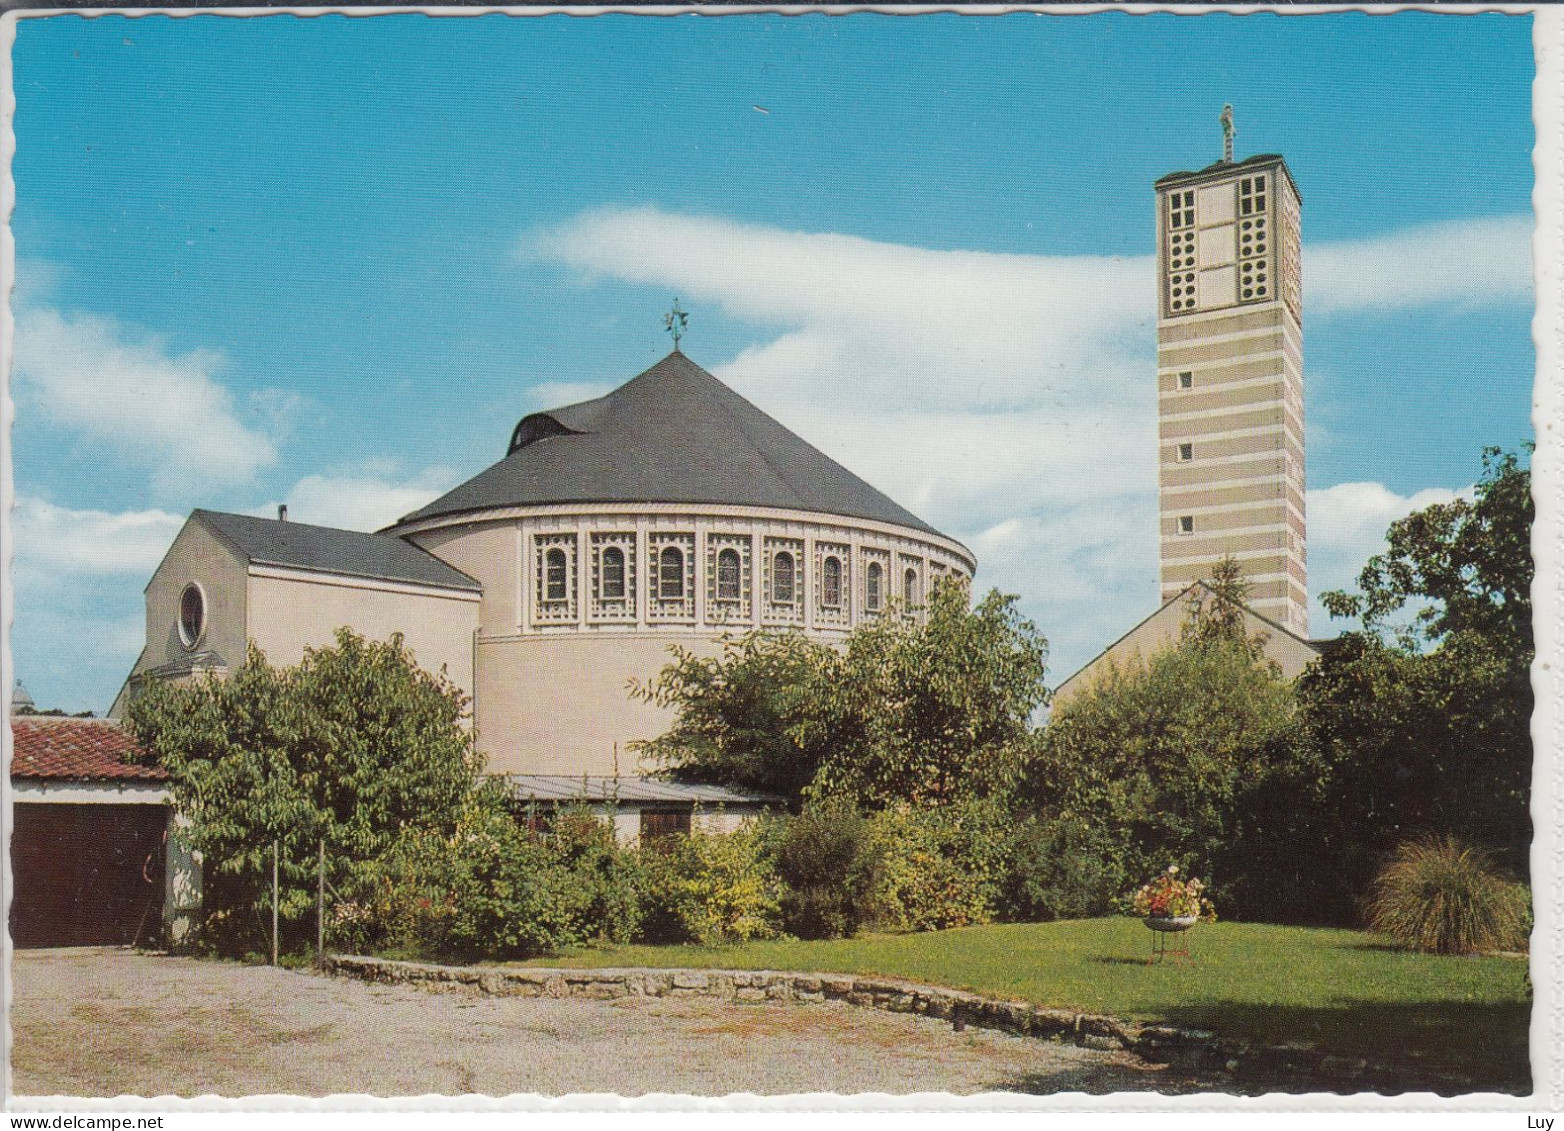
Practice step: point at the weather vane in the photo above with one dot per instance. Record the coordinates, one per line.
(1228, 131)
(675, 322)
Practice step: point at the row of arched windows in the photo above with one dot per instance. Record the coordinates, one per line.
(669, 578)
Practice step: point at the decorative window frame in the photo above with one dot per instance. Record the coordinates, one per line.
(839, 614)
(1256, 282)
(658, 607)
(920, 584)
(545, 611)
(784, 612)
(882, 558)
(613, 609)
(1179, 268)
(190, 641)
(726, 610)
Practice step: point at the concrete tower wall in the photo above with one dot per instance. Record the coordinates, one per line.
(1230, 383)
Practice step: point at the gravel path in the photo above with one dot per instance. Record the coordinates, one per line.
(106, 1022)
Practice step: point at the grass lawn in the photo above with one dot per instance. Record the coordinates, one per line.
(1344, 991)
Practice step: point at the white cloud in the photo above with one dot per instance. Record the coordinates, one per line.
(125, 389)
(1347, 525)
(55, 541)
(1007, 399)
(364, 499)
(1462, 262)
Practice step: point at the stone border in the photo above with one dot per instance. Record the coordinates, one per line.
(1299, 1064)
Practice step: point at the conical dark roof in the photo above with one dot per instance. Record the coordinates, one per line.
(675, 434)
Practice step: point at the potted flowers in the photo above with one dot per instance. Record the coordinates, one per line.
(1168, 903)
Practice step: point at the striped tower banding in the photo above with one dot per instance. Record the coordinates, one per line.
(1230, 382)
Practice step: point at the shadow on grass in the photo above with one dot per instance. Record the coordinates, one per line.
(1484, 1045)
(1450, 1048)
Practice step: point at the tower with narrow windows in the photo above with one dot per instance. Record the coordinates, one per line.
(1230, 380)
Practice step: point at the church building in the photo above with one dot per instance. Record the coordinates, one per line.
(669, 512)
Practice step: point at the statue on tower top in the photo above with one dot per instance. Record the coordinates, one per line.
(1228, 131)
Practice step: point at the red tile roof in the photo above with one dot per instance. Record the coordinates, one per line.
(75, 750)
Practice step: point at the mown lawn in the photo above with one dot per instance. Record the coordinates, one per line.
(1344, 991)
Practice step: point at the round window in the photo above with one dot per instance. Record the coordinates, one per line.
(192, 615)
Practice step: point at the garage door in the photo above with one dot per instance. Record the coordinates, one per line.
(86, 875)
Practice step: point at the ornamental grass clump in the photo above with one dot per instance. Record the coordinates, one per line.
(1168, 897)
(1441, 896)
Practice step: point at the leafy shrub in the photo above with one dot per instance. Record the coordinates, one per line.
(490, 889)
(938, 867)
(1444, 897)
(1060, 868)
(824, 857)
(607, 879)
(711, 888)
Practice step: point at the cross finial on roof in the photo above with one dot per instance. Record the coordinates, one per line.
(675, 322)
(1228, 132)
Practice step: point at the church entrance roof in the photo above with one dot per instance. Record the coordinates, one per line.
(673, 434)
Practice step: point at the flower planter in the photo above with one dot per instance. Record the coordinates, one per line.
(1165, 923)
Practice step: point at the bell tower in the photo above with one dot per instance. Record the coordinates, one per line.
(1230, 379)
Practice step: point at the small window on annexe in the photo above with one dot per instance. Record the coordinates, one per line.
(556, 573)
(1186, 380)
(671, 579)
(1186, 524)
(728, 576)
(659, 823)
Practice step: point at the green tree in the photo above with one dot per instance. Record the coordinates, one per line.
(1177, 758)
(935, 710)
(743, 716)
(1424, 715)
(918, 710)
(353, 745)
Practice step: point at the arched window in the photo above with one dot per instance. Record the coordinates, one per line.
(782, 579)
(728, 576)
(671, 574)
(875, 585)
(831, 583)
(556, 575)
(613, 573)
(909, 587)
(192, 615)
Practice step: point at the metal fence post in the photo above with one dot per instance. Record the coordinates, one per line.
(320, 908)
(276, 848)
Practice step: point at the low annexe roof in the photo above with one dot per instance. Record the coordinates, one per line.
(325, 549)
(49, 748)
(636, 790)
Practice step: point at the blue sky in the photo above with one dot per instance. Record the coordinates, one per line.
(331, 261)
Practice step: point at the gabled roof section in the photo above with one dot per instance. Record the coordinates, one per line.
(1274, 627)
(673, 434)
(325, 549)
(47, 748)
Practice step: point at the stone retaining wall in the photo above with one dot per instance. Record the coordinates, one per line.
(1291, 1066)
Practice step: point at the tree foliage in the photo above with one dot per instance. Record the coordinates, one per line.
(1169, 759)
(1465, 566)
(918, 710)
(1426, 724)
(353, 745)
